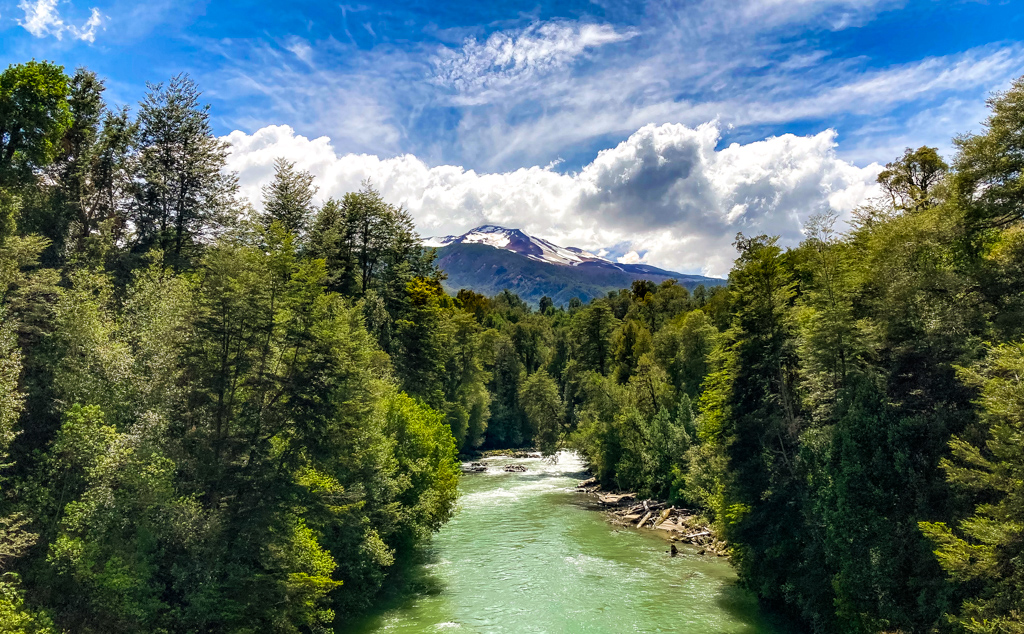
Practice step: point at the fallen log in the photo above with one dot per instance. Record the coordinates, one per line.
(664, 516)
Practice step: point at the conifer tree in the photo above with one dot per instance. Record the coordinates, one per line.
(288, 199)
(186, 197)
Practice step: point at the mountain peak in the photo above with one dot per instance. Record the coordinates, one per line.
(517, 241)
(492, 229)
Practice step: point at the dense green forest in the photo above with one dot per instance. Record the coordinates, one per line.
(215, 418)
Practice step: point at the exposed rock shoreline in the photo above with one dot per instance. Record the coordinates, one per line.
(678, 525)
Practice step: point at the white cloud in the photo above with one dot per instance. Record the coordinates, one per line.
(835, 14)
(43, 19)
(632, 258)
(510, 56)
(665, 191)
(87, 32)
(300, 49)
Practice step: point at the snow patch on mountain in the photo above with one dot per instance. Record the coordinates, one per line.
(515, 240)
(439, 241)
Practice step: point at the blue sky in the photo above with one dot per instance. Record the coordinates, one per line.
(497, 112)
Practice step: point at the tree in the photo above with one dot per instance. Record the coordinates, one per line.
(910, 181)
(507, 427)
(546, 304)
(631, 341)
(186, 197)
(762, 422)
(466, 401)
(592, 329)
(989, 178)
(473, 303)
(366, 239)
(830, 344)
(288, 199)
(543, 408)
(34, 115)
(985, 551)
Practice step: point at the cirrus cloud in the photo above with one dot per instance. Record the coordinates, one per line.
(510, 56)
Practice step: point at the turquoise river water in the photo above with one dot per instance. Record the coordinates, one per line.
(526, 554)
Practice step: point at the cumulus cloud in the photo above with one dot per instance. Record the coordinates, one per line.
(42, 19)
(510, 56)
(631, 258)
(665, 192)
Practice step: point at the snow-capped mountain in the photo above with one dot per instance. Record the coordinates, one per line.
(490, 258)
(516, 241)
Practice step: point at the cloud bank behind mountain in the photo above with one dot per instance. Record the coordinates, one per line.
(666, 196)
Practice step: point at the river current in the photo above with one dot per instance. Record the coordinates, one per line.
(526, 554)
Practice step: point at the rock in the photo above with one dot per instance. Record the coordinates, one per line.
(616, 499)
(515, 468)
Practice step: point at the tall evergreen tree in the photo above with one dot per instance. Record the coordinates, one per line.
(186, 197)
(288, 199)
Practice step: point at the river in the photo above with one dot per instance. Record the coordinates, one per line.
(526, 554)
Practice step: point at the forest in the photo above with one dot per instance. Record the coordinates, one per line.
(223, 415)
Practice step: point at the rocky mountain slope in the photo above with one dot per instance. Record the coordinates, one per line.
(490, 258)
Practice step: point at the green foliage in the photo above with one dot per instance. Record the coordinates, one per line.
(15, 616)
(543, 408)
(911, 180)
(288, 199)
(989, 179)
(368, 244)
(34, 114)
(10, 396)
(986, 550)
(185, 194)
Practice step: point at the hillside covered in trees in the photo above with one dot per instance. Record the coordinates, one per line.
(217, 419)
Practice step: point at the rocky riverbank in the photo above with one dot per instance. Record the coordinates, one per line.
(481, 467)
(510, 453)
(678, 525)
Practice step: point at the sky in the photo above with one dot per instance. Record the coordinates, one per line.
(650, 131)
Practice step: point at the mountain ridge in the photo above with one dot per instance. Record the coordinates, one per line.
(490, 258)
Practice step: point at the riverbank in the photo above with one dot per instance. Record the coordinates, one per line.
(500, 453)
(677, 525)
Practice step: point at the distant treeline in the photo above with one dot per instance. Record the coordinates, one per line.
(214, 419)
